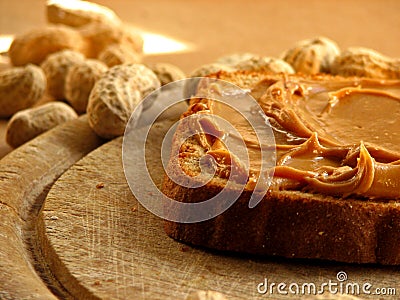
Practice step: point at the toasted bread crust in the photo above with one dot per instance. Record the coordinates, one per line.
(291, 224)
(295, 225)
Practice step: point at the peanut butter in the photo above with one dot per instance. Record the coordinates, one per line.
(337, 137)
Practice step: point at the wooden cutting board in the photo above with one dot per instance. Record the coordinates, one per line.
(26, 174)
(93, 240)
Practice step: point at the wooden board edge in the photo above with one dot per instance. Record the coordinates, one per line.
(25, 177)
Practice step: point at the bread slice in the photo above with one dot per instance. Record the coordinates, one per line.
(291, 222)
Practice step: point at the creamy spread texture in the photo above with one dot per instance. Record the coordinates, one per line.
(338, 136)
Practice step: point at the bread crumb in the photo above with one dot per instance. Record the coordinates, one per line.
(133, 208)
(97, 282)
(185, 249)
(100, 185)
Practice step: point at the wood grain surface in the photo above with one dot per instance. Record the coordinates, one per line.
(102, 244)
(25, 177)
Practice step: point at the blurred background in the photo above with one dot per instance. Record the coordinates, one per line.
(191, 33)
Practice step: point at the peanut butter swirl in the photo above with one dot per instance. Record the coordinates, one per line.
(333, 136)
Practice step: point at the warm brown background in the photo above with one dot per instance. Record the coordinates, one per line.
(215, 28)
